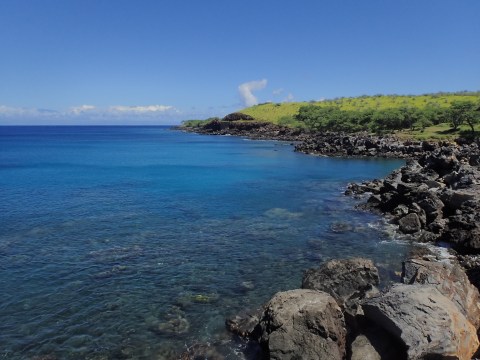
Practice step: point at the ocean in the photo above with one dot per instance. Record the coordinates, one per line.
(135, 242)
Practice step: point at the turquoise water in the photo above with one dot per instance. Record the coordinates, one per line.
(133, 242)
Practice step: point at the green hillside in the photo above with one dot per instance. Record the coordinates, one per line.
(273, 112)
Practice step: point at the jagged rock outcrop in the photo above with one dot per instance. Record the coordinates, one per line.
(245, 325)
(434, 198)
(425, 321)
(450, 279)
(435, 313)
(253, 129)
(303, 324)
(347, 280)
(362, 145)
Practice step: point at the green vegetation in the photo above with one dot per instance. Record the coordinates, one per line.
(441, 131)
(197, 123)
(379, 114)
(439, 116)
(272, 112)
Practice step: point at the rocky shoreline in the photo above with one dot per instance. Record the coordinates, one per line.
(325, 144)
(435, 198)
(434, 312)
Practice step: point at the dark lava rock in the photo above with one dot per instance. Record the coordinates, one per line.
(245, 325)
(441, 191)
(347, 280)
(410, 224)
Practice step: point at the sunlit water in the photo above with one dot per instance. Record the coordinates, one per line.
(132, 242)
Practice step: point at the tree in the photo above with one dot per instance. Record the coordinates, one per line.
(461, 112)
(388, 120)
(472, 117)
(315, 117)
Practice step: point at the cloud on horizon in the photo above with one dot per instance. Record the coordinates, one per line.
(10, 111)
(86, 114)
(246, 91)
(149, 109)
(82, 109)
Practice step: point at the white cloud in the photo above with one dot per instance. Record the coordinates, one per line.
(10, 115)
(90, 114)
(22, 111)
(148, 109)
(82, 109)
(246, 91)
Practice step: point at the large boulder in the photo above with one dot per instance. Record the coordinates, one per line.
(432, 206)
(303, 324)
(410, 223)
(450, 279)
(454, 199)
(425, 321)
(347, 280)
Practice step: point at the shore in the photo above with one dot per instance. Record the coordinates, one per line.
(433, 199)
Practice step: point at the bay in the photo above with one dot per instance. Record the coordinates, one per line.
(134, 242)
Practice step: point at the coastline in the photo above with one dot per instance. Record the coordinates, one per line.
(435, 168)
(434, 199)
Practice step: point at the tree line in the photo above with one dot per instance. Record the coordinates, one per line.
(332, 118)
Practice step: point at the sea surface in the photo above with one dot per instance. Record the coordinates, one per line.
(135, 242)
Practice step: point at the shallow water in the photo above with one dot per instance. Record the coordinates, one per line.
(131, 242)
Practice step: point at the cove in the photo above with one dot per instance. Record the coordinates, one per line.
(130, 242)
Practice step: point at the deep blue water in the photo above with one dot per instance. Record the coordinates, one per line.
(130, 242)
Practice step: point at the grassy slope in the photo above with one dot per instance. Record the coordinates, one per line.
(437, 132)
(274, 111)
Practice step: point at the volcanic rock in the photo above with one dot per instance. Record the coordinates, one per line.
(303, 324)
(425, 321)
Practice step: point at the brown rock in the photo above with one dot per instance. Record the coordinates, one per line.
(303, 324)
(425, 321)
(450, 279)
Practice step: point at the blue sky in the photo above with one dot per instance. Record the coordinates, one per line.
(163, 61)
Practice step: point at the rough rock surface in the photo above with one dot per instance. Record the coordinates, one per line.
(364, 145)
(427, 322)
(245, 325)
(434, 198)
(303, 324)
(374, 343)
(410, 223)
(362, 349)
(347, 280)
(471, 263)
(450, 279)
(252, 129)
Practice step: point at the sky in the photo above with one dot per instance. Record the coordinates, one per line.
(81, 62)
